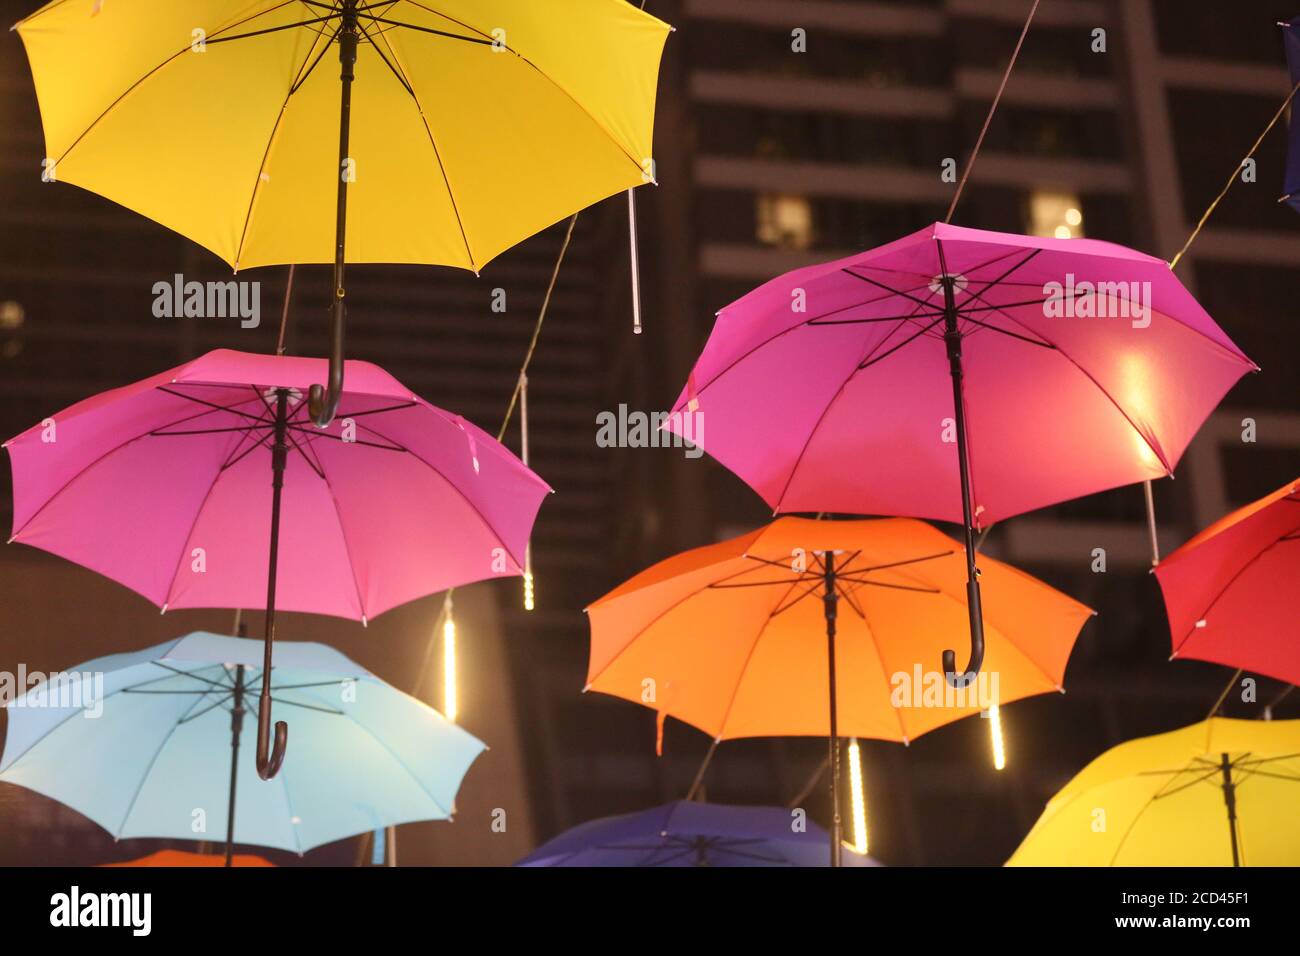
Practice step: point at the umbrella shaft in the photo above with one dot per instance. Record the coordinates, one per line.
(1230, 800)
(952, 338)
(830, 602)
(236, 728)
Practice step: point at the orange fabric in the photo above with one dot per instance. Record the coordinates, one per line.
(746, 662)
(184, 858)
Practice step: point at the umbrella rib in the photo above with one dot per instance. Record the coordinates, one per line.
(744, 669)
(198, 513)
(153, 72)
(437, 154)
(600, 126)
(816, 425)
(91, 464)
(299, 79)
(420, 458)
(347, 549)
(80, 710)
(1224, 590)
(144, 777)
(215, 704)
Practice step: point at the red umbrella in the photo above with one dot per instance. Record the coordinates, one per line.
(1231, 590)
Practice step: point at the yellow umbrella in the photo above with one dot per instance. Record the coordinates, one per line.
(1219, 793)
(463, 126)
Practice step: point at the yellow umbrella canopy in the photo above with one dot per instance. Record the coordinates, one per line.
(474, 123)
(1219, 793)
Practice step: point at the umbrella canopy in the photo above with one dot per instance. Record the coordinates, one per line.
(156, 761)
(1291, 188)
(692, 834)
(1230, 591)
(1219, 793)
(180, 858)
(473, 123)
(1085, 366)
(762, 671)
(165, 486)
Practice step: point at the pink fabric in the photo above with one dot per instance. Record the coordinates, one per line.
(382, 528)
(1231, 590)
(1097, 403)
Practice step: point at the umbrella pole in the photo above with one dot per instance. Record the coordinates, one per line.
(829, 601)
(1230, 799)
(269, 759)
(236, 728)
(952, 338)
(323, 404)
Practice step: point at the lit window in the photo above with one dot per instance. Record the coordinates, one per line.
(1055, 214)
(784, 221)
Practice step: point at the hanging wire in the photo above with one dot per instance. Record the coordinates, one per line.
(529, 603)
(537, 329)
(284, 314)
(1173, 263)
(992, 109)
(1218, 704)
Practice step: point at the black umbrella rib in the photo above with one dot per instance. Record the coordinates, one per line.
(232, 409)
(811, 589)
(430, 30)
(206, 710)
(898, 564)
(306, 430)
(258, 33)
(379, 411)
(392, 69)
(890, 289)
(759, 584)
(907, 341)
(1014, 335)
(297, 84)
(896, 587)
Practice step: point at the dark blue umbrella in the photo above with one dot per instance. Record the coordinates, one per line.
(1291, 189)
(693, 834)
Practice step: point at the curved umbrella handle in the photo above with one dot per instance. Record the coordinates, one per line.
(322, 405)
(964, 678)
(268, 764)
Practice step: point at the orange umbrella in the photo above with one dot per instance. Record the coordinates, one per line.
(185, 858)
(740, 638)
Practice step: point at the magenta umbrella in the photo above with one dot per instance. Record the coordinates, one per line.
(173, 486)
(959, 375)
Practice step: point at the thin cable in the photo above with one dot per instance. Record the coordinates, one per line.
(1173, 263)
(537, 329)
(284, 314)
(992, 109)
(1224, 696)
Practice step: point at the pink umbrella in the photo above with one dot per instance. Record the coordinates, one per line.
(960, 375)
(174, 485)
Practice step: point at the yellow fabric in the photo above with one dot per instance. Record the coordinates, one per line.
(1159, 801)
(493, 146)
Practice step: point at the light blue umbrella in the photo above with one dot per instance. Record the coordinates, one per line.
(163, 756)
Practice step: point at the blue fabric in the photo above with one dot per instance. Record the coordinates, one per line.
(693, 834)
(1291, 188)
(361, 754)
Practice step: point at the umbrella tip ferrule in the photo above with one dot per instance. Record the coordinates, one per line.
(364, 621)
(586, 688)
(162, 610)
